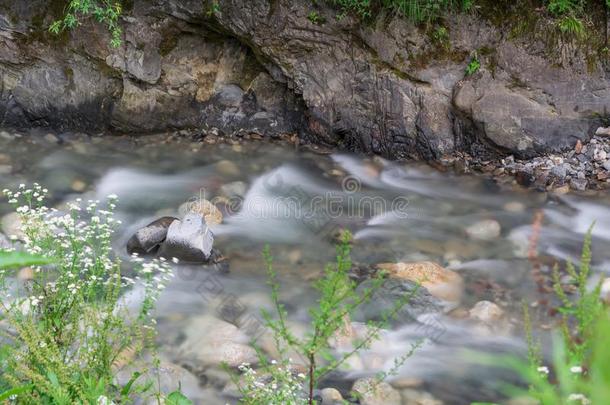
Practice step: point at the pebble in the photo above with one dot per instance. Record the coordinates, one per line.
(487, 229)
(486, 312)
(514, 206)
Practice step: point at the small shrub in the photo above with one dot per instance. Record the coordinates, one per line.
(68, 331)
(581, 357)
(473, 66)
(337, 302)
(106, 12)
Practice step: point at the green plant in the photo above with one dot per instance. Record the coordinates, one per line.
(440, 37)
(329, 319)
(581, 357)
(572, 26)
(106, 12)
(414, 10)
(474, 65)
(315, 17)
(67, 333)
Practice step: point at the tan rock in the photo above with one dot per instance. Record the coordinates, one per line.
(486, 312)
(442, 283)
(331, 396)
(210, 213)
(373, 392)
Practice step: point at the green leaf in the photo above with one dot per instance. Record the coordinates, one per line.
(127, 388)
(12, 260)
(178, 398)
(15, 391)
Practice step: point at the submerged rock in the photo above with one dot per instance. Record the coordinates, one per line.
(484, 230)
(211, 341)
(440, 282)
(415, 397)
(383, 301)
(189, 240)
(148, 239)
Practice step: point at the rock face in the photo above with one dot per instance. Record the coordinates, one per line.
(261, 66)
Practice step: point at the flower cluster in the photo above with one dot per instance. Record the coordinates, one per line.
(278, 384)
(72, 317)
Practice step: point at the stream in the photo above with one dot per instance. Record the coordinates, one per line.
(297, 201)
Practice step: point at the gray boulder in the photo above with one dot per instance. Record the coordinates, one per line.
(189, 240)
(148, 239)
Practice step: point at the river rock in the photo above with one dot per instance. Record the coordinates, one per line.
(211, 341)
(415, 397)
(372, 392)
(486, 312)
(211, 214)
(603, 131)
(393, 289)
(189, 240)
(331, 396)
(440, 282)
(11, 225)
(5, 243)
(487, 229)
(148, 239)
(579, 184)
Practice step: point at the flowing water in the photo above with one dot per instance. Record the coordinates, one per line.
(296, 202)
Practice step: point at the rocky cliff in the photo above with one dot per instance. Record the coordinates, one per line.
(385, 87)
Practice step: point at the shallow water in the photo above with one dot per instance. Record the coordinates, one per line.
(296, 202)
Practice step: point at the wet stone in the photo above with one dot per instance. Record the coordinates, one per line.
(189, 240)
(148, 239)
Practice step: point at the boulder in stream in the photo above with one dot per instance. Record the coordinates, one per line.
(189, 240)
(148, 239)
